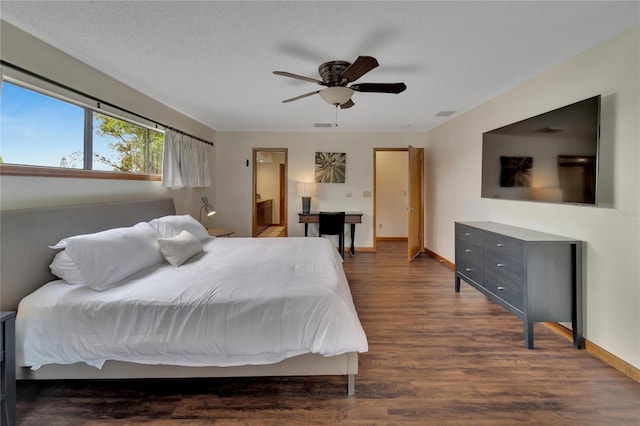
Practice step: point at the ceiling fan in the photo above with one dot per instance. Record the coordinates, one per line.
(336, 75)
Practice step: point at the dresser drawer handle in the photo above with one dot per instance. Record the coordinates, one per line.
(500, 265)
(500, 245)
(500, 288)
(467, 251)
(466, 234)
(467, 269)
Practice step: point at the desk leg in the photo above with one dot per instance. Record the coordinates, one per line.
(306, 229)
(353, 239)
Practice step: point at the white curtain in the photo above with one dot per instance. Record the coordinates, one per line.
(186, 162)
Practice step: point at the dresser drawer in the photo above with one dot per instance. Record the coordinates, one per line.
(467, 233)
(510, 292)
(468, 252)
(502, 244)
(469, 260)
(503, 277)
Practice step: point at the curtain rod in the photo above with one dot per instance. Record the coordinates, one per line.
(99, 101)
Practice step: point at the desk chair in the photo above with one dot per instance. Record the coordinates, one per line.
(332, 223)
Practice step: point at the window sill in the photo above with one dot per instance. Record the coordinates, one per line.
(18, 170)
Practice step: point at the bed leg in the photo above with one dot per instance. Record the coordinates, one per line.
(351, 384)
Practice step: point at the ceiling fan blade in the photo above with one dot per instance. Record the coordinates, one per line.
(361, 66)
(379, 87)
(301, 96)
(347, 104)
(299, 77)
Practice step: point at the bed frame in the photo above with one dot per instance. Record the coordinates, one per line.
(24, 266)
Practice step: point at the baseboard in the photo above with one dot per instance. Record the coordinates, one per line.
(362, 249)
(595, 350)
(440, 259)
(600, 353)
(391, 238)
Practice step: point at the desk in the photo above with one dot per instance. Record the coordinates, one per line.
(350, 218)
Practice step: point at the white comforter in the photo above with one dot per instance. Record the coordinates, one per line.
(243, 301)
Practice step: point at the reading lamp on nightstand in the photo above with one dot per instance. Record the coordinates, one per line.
(208, 208)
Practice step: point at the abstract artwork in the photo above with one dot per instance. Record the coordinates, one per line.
(330, 167)
(516, 171)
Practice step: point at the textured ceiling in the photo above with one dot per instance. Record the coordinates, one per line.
(213, 61)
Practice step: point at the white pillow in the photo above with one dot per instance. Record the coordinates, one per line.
(181, 248)
(171, 226)
(106, 258)
(63, 267)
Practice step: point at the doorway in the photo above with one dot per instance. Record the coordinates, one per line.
(269, 192)
(398, 200)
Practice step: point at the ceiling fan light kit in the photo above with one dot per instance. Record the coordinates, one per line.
(336, 95)
(337, 74)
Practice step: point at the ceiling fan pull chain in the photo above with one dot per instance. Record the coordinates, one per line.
(336, 115)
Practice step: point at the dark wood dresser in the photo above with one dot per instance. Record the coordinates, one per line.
(536, 276)
(264, 214)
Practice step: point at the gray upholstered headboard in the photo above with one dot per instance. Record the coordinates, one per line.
(26, 234)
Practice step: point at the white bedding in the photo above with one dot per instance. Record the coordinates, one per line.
(243, 301)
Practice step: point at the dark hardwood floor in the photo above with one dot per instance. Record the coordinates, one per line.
(435, 357)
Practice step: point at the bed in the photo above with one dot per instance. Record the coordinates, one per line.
(217, 301)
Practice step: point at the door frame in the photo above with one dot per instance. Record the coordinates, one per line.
(415, 243)
(284, 212)
(375, 194)
(375, 190)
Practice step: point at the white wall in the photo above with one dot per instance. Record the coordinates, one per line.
(234, 148)
(612, 272)
(392, 200)
(24, 50)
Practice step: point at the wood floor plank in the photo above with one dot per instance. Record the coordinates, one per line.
(435, 357)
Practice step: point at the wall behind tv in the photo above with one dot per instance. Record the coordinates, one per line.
(612, 271)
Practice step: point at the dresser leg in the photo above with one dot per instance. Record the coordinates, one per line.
(576, 316)
(528, 333)
(457, 284)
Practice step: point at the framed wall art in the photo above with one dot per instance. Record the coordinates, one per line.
(330, 167)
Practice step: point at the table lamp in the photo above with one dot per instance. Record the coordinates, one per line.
(306, 190)
(208, 208)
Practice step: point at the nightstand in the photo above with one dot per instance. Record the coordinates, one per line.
(220, 232)
(7, 368)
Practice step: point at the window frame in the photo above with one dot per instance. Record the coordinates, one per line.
(44, 88)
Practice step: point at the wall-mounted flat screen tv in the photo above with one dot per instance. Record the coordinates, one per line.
(552, 157)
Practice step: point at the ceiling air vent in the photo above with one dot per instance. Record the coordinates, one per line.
(322, 124)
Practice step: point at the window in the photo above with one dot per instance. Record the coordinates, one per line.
(63, 137)
(39, 130)
(120, 146)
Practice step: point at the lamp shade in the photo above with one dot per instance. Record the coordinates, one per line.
(208, 208)
(336, 95)
(307, 189)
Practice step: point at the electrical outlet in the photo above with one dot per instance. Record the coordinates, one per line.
(380, 226)
(366, 194)
(349, 194)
